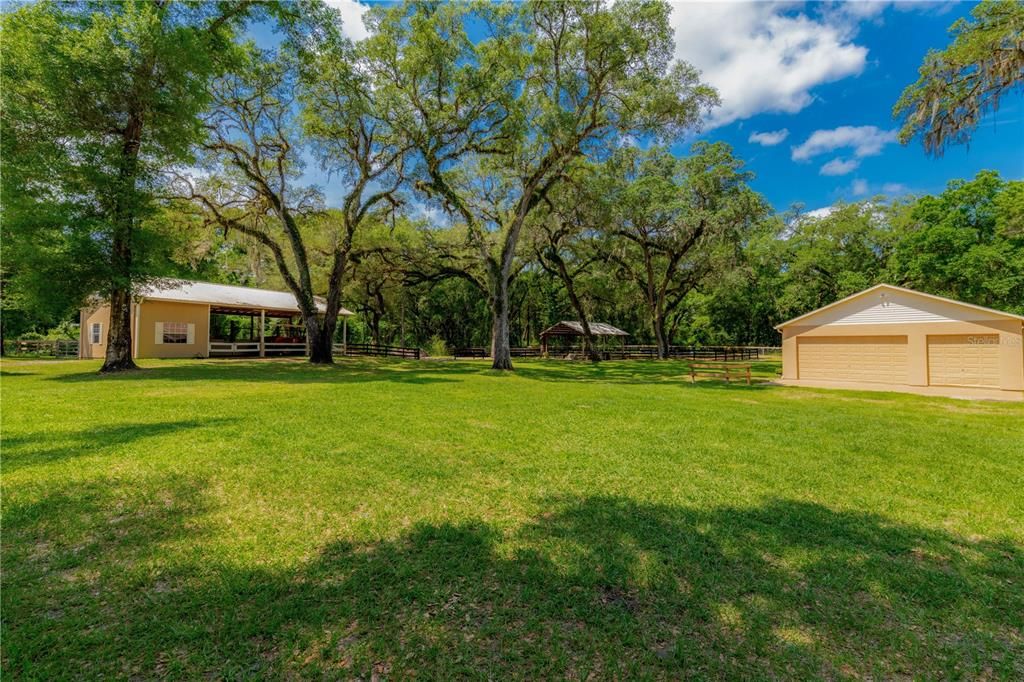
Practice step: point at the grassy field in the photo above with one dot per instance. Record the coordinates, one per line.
(244, 519)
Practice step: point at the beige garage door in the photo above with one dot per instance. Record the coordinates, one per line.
(962, 360)
(875, 359)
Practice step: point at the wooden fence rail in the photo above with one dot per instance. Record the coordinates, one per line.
(724, 353)
(60, 348)
(634, 352)
(68, 348)
(369, 349)
(480, 352)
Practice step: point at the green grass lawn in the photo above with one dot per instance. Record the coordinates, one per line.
(246, 519)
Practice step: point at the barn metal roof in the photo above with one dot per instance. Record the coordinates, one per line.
(186, 291)
(572, 328)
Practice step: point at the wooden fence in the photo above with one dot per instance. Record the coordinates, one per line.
(68, 348)
(480, 352)
(369, 349)
(61, 348)
(724, 353)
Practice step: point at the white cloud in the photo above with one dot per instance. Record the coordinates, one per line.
(820, 212)
(769, 138)
(857, 9)
(839, 166)
(761, 56)
(895, 188)
(859, 187)
(864, 140)
(351, 17)
(436, 216)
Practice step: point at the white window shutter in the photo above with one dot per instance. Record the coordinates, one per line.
(191, 334)
(159, 332)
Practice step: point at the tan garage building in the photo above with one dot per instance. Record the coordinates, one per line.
(186, 319)
(891, 338)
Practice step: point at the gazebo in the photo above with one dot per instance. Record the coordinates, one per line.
(574, 330)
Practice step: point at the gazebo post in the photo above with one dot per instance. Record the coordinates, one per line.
(344, 335)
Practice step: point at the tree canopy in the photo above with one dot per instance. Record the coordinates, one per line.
(99, 101)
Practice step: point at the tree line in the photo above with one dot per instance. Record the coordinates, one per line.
(494, 168)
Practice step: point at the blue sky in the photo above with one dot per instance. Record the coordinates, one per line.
(857, 98)
(807, 93)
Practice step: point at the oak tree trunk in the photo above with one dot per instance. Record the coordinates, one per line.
(321, 348)
(319, 352)
(375, 328)
(329, 322)
(661, 338)
(500, 276)
(501, 351)
(119, 336)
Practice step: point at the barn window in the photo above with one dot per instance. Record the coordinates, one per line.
(96, 332)
(175, 332)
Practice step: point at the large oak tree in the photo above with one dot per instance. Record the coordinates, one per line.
(565, 240)
(494, 122)
(675, 222)
(308, 100)
(98, 99)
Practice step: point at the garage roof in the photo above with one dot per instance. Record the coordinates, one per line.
(186, 291)
(889, 287)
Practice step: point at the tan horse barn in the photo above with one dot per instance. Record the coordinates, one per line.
(891, 338)
(185, 319)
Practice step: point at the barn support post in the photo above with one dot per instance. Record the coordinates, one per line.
(135, 331)
(263, 331)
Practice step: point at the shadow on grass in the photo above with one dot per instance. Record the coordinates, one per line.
(362, 370)
(600, 586)
(38, 448)
(66, 555)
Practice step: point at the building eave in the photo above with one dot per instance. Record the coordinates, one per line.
(890, 287)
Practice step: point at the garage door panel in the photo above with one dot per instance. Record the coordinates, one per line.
(874, 359)
(964, 360)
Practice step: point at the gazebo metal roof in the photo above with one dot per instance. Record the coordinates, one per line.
(573, 328)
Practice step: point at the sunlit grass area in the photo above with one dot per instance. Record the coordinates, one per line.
(270, 519)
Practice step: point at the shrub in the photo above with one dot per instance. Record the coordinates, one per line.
(436, 347)
(64, 330)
